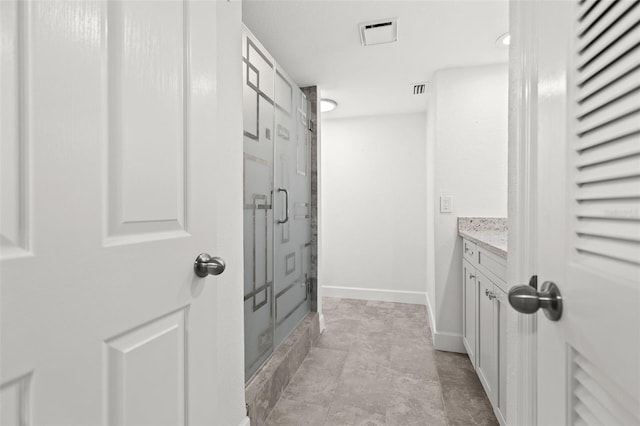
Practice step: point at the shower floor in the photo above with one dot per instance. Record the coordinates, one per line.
(375, 365)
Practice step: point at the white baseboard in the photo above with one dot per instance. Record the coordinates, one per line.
(398, 296)
(321, 320)
(450, 342)
(245, 422)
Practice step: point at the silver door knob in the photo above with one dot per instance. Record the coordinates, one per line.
(207, 265)
(527, 300)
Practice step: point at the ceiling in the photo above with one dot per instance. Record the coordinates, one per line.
(318, 43)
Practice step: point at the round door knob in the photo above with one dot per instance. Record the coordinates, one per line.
(527, 300)
(205, 265)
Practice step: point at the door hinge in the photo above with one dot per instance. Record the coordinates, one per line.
(312, 126)
(309, 285)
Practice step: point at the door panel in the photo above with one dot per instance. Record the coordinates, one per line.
(150, 356)
(116, 146)
(147, 133)
(14, 154)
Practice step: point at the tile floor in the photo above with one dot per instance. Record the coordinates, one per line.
(375, 365)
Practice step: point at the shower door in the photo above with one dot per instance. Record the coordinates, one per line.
(277, 226)
(292, 208)
(258, 95)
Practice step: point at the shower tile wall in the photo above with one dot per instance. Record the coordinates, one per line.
(311, 93)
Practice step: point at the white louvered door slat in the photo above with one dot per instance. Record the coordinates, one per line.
(622, 209)
(607, 191)
(625, 148)
(586, 415)
(611, 170)
(622, 230)
(600, 62)
(588, 157)
(587, 7)
(598, 414)
(605, 48)
(610, 93)
(617, 10)
(599, 9)
(606, 249)
(624, 127)
(617, 71)
(607, 113)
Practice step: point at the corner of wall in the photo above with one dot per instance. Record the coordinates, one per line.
(430, 314)
(431, 205)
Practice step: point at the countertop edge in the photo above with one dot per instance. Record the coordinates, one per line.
(491, 248)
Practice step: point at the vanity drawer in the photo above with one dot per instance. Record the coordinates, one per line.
(495, 265)
(470, 251)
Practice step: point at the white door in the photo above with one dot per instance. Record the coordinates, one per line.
(112, 174)
(589, 210)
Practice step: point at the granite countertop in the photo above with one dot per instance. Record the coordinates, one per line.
(489, 233)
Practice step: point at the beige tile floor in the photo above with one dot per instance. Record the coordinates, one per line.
(375, 365)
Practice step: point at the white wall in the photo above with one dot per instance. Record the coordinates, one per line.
(373, 208)
(467, 136)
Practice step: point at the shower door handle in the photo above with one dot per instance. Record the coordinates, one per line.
(286, 206)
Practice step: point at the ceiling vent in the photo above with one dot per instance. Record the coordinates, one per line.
(420, 88)
(379, 32)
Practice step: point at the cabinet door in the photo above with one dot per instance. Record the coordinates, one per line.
(500, 306)
(469, 303)
(486, 353)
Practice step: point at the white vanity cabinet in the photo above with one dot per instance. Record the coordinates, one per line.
(484, 320)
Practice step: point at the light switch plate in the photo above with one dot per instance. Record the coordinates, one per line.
(446, 204)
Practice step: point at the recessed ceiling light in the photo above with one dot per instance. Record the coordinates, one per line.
(327, 105)
(504, 39)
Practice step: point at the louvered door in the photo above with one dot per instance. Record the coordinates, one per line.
(588, 162)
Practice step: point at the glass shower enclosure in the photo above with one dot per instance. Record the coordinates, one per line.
(277, 204)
